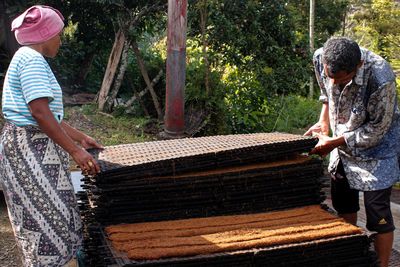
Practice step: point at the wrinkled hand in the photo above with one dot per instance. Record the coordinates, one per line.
(324, 146)
(89, 142)
(319, 128)
(86, 162)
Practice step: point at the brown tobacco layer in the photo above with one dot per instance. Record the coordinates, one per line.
(190, 237)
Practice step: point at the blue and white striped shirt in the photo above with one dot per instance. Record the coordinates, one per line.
(29, 77)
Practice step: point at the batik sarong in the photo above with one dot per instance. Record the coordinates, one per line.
(35, 176)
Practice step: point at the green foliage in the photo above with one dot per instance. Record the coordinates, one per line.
(257, 60)
(375, 24)
(329, 15)
(295, 114)
(91, 40)
(253, 44)
(196, 94)
(251, 109)
(247, 109)
(272, 45)
(377, 27)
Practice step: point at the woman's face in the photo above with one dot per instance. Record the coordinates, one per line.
(50, 48)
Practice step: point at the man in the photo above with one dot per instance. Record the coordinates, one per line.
(358, 92)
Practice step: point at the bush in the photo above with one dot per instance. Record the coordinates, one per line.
(292, 114)
(295, 114)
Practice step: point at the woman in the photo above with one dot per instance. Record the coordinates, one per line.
(35, 144)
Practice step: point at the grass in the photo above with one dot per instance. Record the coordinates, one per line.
(106, 129)
(296, 114)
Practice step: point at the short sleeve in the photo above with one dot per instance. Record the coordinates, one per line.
(319, 68)
(35, 82)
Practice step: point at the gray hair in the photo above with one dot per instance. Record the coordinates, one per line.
(341, 54)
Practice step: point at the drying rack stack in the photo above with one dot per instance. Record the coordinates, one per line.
(209, 177)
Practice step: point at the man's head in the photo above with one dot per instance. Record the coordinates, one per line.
(341, 59)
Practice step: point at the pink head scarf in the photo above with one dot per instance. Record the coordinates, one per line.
(37, 25)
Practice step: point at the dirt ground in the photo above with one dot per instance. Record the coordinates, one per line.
(9, 255)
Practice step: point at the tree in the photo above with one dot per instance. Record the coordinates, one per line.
(311, 34)
(376, 24)
(328, 19)
(8, 44)
(92, 34)
(131, 20)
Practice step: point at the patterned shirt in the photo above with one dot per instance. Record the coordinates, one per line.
(29, 77)
(366, 114)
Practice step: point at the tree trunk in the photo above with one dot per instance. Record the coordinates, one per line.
(121, 73)
(312, 19)
(135, 94)
(143, 92)
(203, 25)
(112, 66)
(344, 22)
(146, 78)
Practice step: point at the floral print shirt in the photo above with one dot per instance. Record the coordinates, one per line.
(366, 113)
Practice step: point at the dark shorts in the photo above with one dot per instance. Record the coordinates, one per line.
(377, 203)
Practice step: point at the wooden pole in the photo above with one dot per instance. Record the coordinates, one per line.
(174, 121)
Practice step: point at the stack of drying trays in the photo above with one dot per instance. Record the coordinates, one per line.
(207, 177)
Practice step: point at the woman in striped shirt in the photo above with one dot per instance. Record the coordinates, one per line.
(35, 143)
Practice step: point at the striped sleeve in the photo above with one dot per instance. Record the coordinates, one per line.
(35, 80)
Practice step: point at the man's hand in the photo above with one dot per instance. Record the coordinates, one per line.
(326, 144)
(318, 128)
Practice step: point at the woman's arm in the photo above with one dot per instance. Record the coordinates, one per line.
(48, 124)
(78, 136)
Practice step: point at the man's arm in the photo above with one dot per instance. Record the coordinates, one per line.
(321, 130)
(322, 126)
(326, 144)
(381, 107)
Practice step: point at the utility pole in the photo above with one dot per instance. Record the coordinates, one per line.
(312, 19)
(174, 120)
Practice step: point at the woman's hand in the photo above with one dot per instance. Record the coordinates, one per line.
(88, 142)
(86, 162)
(90, 165)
